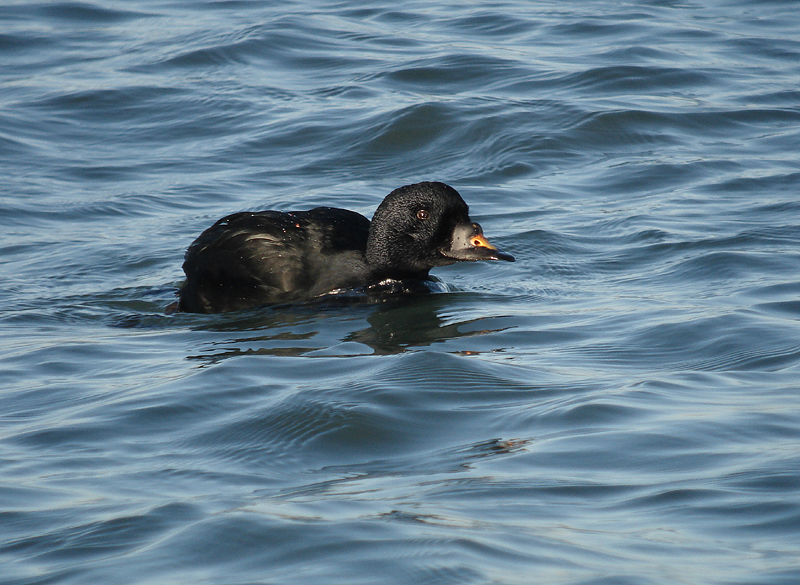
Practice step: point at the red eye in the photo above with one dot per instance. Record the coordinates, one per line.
(423, 214)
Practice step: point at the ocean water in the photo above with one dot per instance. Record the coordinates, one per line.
(621, 406)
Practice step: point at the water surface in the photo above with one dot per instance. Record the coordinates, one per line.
(619, 406)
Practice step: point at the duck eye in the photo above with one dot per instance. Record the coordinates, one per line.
(423, 214)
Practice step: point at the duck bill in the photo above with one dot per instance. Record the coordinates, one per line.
(469, 244)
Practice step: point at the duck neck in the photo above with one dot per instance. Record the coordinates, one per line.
(388, 256)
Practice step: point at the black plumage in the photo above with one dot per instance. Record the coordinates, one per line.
(257, 258)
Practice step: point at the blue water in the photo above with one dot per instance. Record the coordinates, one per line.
(619, 406)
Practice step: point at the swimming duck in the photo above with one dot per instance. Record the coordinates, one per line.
(257, 258)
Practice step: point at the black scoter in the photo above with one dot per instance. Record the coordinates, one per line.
(257, 258)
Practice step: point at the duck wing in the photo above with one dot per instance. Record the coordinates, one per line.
(254, 258)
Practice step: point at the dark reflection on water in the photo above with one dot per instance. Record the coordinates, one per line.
(393, 330)
(388, 327)
(620, 405)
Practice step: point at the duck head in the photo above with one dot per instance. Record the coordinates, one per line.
(421, 226)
